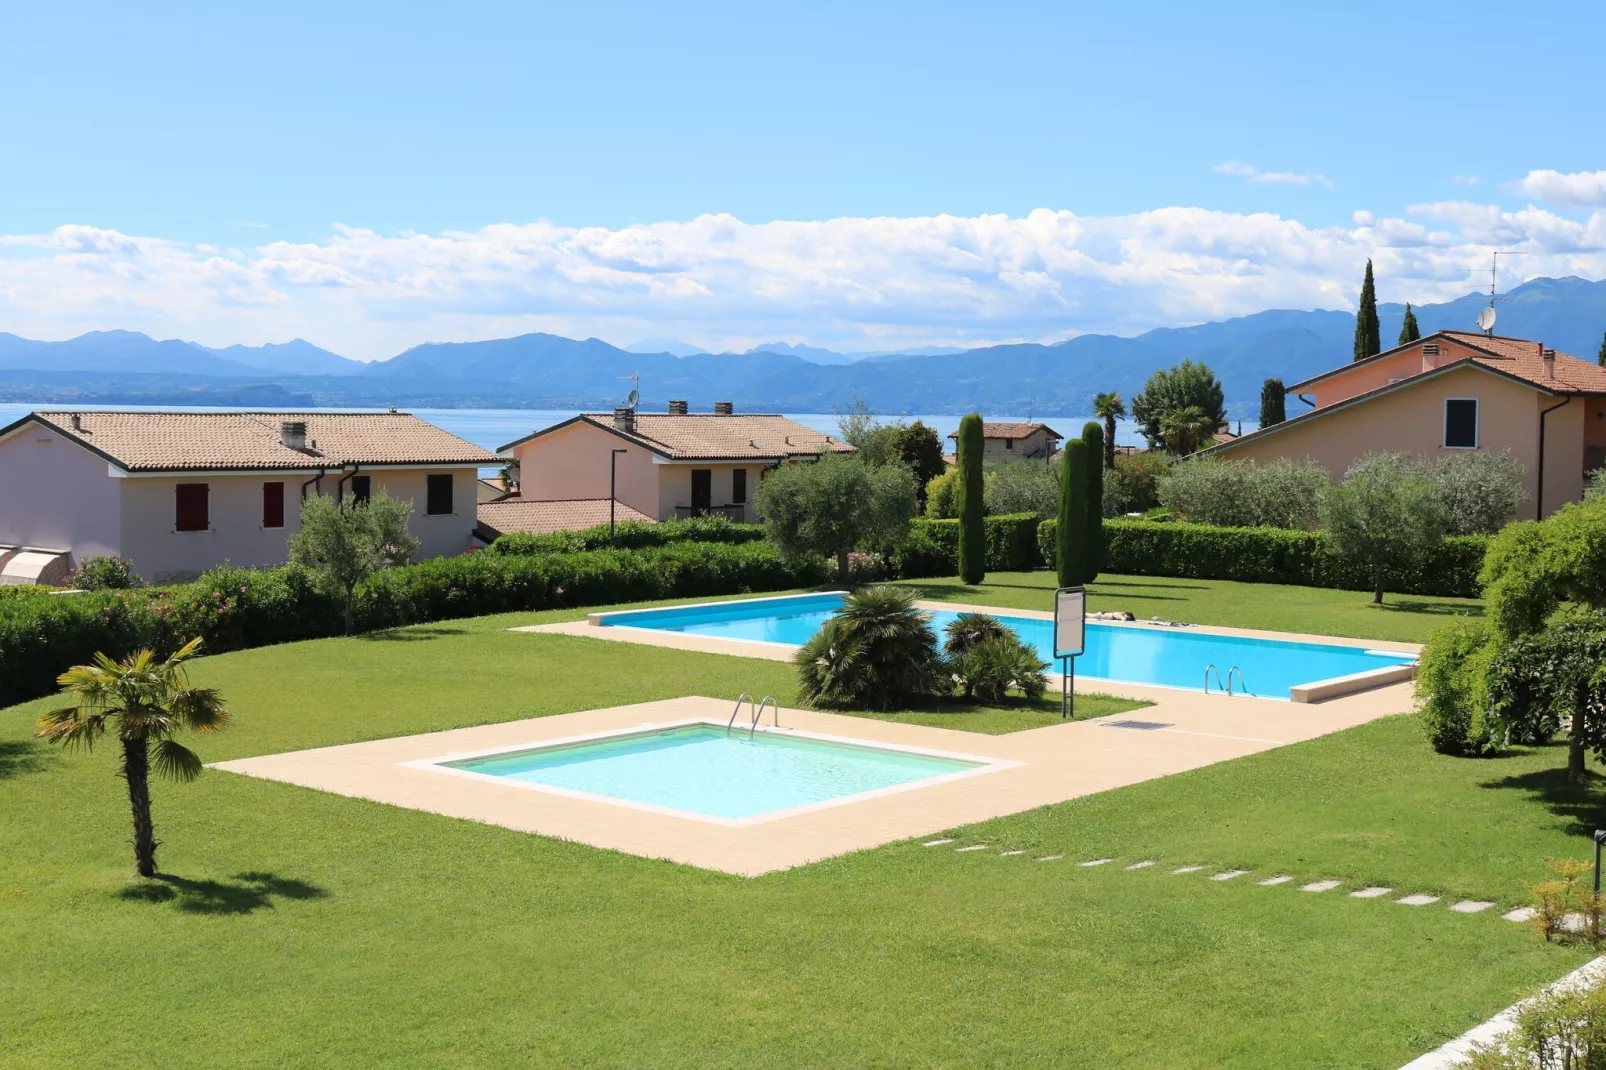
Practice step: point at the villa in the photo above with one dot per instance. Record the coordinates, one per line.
(651, 466)
(177, 493)
(1447, 392)
(1017, 441)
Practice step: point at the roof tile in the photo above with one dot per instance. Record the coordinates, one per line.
(540, 517)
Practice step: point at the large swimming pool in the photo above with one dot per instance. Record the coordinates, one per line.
(708, 771)
(1140, 654)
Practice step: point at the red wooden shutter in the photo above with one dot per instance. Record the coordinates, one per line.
(192, 507)
(273, 505)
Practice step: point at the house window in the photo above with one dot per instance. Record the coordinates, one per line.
(1009, 443)
(739, 487)
(1460, 423)
(702, 489)
(362, 488)
(438, 499)
(192, 512)
(273, 505)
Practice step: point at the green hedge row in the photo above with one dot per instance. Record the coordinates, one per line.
(235, 608)
(631, 535)
(932, 548)
(1271, 555)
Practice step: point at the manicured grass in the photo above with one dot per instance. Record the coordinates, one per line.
(1402, 618)
(301, 929)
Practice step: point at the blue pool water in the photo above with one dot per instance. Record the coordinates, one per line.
(706, 770)
(1174, 657)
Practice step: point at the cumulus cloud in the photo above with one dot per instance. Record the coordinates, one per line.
(1581, 189)
(1250, 173)
(719, 282)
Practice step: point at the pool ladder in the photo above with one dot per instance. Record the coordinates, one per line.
(758, 712)
(1243, 685)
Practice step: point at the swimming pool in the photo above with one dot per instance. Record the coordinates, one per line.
(702, 770)
(1142, 654)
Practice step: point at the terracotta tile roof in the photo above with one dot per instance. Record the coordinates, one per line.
(1012, 430)
(538, 517)
(220, 441)
(1524, 359)
(704, 436)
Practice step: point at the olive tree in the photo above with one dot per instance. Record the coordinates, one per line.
(1386, 514)
(1480, 490)
(834, 504)
(345, 542)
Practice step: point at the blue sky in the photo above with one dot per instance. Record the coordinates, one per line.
(226, 130)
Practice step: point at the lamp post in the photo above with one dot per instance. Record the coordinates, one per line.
(613, 485)
(1600, 838)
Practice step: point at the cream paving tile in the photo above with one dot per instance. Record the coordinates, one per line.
(1269, 881)
(1417, 900)
(1007, 854)
(1229, 874)
(1321, 886)
(937, 843)
(1096, 862)
(1521, 914)
(1142, 865)
(1470, 906)
(1370, 893)
(1050, 858)
(1187, 869)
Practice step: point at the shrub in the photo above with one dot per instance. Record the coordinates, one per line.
(631, 535)
(1020, 487)
(1132, 486)
(1449, 691)
(968, 629)
(988, 660)
(941, 495)
(1279, 494)
(1561, 1028)
(104, 574)
(1480, 490)
(877, 651)
(932, 548)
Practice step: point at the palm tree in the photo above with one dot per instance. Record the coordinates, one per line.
(1108, 406)
(1184, 430)
(147, 701)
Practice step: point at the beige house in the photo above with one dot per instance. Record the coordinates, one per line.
(1016, 441)
(179, 492)
(1449, 392)
(659, 465)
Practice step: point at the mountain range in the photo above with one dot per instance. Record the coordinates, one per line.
(548, 371)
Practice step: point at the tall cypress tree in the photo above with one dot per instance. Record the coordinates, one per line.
(1071, 531)
(1601, 360)
(1272, 398)
(1093, 437)
(1409, 331)
(968, 503)
(1368, 340)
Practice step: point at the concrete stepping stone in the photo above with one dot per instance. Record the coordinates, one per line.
(937, 843)
(1321, 886)
(972, 847)
(1417, 900)
(1370, 893)
(1269, 881)
(1142, 865)
(1006, 854)
(1098, 861)
(1051, 858)
(1229, 875)
(1188, 869)
(1574, 923)
(1470, 906)
(1521, 914)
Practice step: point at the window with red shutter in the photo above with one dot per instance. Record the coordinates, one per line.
(192, 512)
(273, 505)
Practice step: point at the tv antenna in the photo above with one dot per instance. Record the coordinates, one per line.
(1486, 316)
(635, 391)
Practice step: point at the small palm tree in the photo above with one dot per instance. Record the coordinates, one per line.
(1107, 406)
(1184, 430)
(146, 701)
(876, 651)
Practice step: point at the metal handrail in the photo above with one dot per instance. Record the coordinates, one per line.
(770, 701)
(1241, 680)
(1219, 685)
(748, 695)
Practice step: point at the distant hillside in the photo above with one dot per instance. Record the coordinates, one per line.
(130, 351)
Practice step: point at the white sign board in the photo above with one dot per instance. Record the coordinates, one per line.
(1070, 608)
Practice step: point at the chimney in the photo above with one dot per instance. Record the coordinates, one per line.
(724, 408)
(293, 433)
(1549, 356)
(77, 422)
(624, 419)
(678, 408)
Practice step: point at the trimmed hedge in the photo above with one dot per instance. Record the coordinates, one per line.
(235, 608)
(932, 548)
(631, 535)
(1272, 555)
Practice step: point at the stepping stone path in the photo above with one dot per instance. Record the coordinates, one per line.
(1574, 923)
(1321, 886)
(1370, 893)
(1051, 858)
(1229, 875)
(1141, 865)
(1006, 854)
(937, 843)
(1470, 906)
(1269, 881)
(972, 847)
(1417, 900)
(1188, 869)
(1521, 914)
(1098, 861)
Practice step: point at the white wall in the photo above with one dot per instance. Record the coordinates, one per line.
(56, 495)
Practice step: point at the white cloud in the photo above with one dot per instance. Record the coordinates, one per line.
(1250, 173)
(1581, 189)
(720, 283)
(1464, 180)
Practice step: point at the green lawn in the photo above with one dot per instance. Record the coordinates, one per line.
(300, 929)
(1403, 617)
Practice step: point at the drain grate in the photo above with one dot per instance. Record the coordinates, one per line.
(1141, 726)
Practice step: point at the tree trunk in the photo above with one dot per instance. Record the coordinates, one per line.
(137, 771)
(1575, 751)
(350, 624)
(1377, 585)
(842, 566)
(1109, 443)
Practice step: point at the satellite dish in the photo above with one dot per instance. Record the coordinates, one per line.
(1486, 318)
(635, 396)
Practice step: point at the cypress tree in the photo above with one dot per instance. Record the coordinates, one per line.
(1271, 403)
(1601, 360)
(968, 502)
(1368, 341)
(1071, 531)
(1409, 331)
(1093, 436)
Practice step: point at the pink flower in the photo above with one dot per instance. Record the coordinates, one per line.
(560, 590)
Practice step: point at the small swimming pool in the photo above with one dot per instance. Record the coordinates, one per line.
(1170, 657)
(707, 771)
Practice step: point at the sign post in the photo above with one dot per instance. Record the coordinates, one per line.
(1070, 609)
